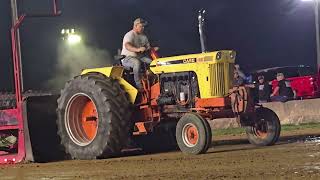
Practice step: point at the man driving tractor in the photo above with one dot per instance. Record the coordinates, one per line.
(135, 43)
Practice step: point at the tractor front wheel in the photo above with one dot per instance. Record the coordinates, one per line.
(266, 128)
(193, 134)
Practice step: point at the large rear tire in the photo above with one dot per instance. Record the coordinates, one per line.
(193, 134)
(93, 117)
(266, 128)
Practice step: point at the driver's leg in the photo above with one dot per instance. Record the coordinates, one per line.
(146, 60)
(135, 64)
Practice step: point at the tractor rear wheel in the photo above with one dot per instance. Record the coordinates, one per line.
(193, 134)
(93, 117)
(266, 128)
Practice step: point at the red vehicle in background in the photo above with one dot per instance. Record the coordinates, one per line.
(304, 80)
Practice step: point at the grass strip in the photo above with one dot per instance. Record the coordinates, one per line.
(289, 127)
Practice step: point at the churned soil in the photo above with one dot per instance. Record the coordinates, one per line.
(295, 156)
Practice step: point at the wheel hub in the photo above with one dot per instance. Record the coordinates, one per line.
(81, 119)
(261, 129)
(190, 135)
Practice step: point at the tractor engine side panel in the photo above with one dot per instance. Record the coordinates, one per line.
(178, 89)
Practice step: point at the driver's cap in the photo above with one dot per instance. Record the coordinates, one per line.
(140, 21)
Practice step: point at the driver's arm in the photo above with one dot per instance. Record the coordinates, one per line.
(148, 46)
(131, 48)
(128, 39)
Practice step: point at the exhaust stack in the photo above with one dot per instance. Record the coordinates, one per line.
(201, 20)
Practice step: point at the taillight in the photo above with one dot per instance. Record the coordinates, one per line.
(313, 81)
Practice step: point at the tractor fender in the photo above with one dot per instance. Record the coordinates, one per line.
(115, 72)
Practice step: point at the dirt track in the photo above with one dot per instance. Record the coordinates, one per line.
(232, 158)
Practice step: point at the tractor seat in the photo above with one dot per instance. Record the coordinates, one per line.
(119, 57)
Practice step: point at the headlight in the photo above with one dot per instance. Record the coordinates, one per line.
(232, 54)
(218, 56)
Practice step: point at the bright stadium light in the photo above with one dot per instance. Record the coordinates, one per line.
(73, 39)
(70, 36)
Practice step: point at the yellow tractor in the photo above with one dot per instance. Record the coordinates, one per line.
(100, 110)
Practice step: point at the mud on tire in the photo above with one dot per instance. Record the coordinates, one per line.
(93, 117)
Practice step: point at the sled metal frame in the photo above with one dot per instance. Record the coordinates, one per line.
(19, 114)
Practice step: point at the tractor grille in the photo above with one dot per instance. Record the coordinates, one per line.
(221, 78)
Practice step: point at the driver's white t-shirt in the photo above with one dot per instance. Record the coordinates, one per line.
(137, 40)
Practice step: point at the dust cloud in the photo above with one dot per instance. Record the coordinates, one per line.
(73, 59)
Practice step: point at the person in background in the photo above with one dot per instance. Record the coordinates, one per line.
(237, 79)
(283, 90)
(246, 79)
(239, 71)
(263, 90)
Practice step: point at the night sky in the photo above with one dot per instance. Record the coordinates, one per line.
(264, 33)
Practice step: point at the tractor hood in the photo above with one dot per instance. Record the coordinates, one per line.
(189, 62)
